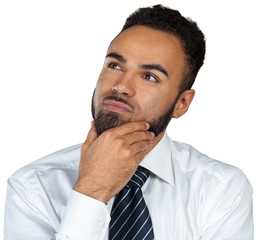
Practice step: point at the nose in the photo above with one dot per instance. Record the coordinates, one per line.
(125, 86)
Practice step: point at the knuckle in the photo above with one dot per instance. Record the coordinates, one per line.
(107, 134)
(142, 145)
(120, 142)
(146, 144)
(141, 125)
(127, 152)
(137, 135)
(150, 134)
(129, 127)
(142, 135)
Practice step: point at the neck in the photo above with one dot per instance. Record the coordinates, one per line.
(155, 141)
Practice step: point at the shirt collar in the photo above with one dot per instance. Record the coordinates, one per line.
(159, 160)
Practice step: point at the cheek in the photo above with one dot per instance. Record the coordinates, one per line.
(154, 107)
(150, 105)
(97, 94)
(156, 104)
(103, 85)
(109, 76)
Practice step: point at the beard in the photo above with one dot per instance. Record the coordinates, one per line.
(107, 120)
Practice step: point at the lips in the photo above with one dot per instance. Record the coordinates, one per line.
(116, 106)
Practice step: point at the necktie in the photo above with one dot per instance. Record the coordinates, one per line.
(130, 217)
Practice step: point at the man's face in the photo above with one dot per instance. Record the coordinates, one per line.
(139, 80)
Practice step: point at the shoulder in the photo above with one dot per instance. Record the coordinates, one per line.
(42, 187)
(217, 184)
(192, 162)
(58, 162)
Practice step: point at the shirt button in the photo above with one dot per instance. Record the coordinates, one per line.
(101, 225)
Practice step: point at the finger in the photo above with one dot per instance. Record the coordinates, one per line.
(140, 146)
(139, 136)
(131, 127)
(91, 137)
(139, 156)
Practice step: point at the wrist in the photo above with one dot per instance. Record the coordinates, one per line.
(93, 192)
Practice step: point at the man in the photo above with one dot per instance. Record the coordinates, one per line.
(84, 192)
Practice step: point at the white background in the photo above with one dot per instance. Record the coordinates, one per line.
(51, 53)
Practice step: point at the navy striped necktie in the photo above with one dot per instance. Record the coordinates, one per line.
(130, 217)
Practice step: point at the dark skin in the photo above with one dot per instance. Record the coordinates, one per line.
(128, 144)
(108, 161)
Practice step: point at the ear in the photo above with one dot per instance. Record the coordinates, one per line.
(183, 103)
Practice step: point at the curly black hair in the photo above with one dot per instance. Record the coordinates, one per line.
(169, 20)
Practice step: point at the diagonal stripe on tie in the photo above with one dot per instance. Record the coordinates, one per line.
(130, 218)
(125, 205)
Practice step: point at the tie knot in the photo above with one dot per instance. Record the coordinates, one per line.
(139, 178)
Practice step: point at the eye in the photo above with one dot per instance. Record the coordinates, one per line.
(113, 65)
(150, 77)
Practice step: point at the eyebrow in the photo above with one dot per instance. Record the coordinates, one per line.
(157, 67)
(117, 56)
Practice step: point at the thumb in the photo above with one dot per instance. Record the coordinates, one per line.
(91, 137)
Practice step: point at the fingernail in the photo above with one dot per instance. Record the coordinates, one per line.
(152, 134)
(147, 125)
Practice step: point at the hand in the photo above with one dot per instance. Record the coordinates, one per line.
(110, 160)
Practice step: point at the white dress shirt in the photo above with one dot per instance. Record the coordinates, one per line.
(189, 196)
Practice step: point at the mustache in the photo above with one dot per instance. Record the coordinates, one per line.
(118, 98)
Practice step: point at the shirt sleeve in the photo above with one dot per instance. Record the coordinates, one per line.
(83, 218)
(23, 218)
(228, 213)
(75, 225)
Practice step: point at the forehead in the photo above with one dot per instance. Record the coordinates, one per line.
(142, 44)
